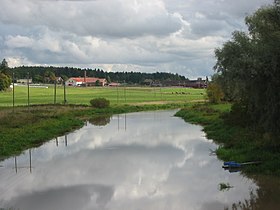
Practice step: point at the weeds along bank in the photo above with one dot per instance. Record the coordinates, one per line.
(25, 127)
(238, 142)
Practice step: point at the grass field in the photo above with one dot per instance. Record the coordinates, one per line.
(116, 95)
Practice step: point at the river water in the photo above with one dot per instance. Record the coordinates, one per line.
(147, 160)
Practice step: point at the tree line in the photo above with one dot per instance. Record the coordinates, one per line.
(247, 71)
(42, 74)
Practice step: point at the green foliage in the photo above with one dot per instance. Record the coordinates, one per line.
(214, 93)
(4, 64)
(5, 81)
(249, 68)
(100, 120)
(67, 72)
(239, 143)
(5, 78)
(97, 83)
(100, 103)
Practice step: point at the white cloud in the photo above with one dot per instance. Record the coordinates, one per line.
(19, 41)
(120, 18)
(149, 35)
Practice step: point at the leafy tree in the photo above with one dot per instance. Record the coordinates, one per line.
(5, 78)
(5, 81)
(38, 78)
(4, 67)
(97, 83)
(214, 93)
(64, 77)
(4, 64)
(249, 68)
(108, 79)
(49, 76)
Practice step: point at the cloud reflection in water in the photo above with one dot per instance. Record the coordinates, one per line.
(147, 160)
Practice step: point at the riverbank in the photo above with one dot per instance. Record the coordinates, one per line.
(238, 142)
(27, 127)
(24, 127)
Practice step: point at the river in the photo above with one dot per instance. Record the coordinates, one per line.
(145, 160)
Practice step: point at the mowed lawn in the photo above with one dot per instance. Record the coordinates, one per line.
(116, 95)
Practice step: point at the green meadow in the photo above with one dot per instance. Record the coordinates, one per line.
(116, 95)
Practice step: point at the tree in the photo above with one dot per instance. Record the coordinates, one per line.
(108, 79)
(49, 77)
(97, 83)
(4, 64)
(38, 78)
(5, 81)
(214, 93)
(249, 68)
(64, 77)
(5, 78)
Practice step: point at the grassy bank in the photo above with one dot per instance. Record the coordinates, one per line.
(24, 127)
(238, 142)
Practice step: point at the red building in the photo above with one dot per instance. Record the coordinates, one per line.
(86, 81)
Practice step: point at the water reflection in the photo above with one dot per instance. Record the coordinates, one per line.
(63, 141)
(17, 167)
(121, 122)
(100, 120)
(147, 160)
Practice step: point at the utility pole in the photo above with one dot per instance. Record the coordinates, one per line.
(64, 83)
(118, 95)
(28, 92)
(13, 92)
(124, 90)
(30, 161)
(54, 100)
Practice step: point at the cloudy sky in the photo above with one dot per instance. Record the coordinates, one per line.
(176, 36)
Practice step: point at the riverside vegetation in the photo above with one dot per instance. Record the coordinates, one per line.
(247, 75)
(25, 127)
(238, 141)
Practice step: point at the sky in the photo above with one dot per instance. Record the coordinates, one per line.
(177, 36)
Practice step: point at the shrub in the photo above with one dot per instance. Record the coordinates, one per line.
(100, 103)
(214, 93)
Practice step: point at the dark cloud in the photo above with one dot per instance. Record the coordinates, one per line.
(64, 198)
(118, 18)
(166, 35)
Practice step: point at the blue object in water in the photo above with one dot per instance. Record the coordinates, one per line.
(232, 164)
(228, 163)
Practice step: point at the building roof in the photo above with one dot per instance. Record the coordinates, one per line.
(88, 79)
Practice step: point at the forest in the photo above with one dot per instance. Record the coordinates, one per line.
(40, 74)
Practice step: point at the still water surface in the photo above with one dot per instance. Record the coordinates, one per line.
(148, 160)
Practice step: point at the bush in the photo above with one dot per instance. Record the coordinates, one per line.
(100, 103)
(214, 93)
